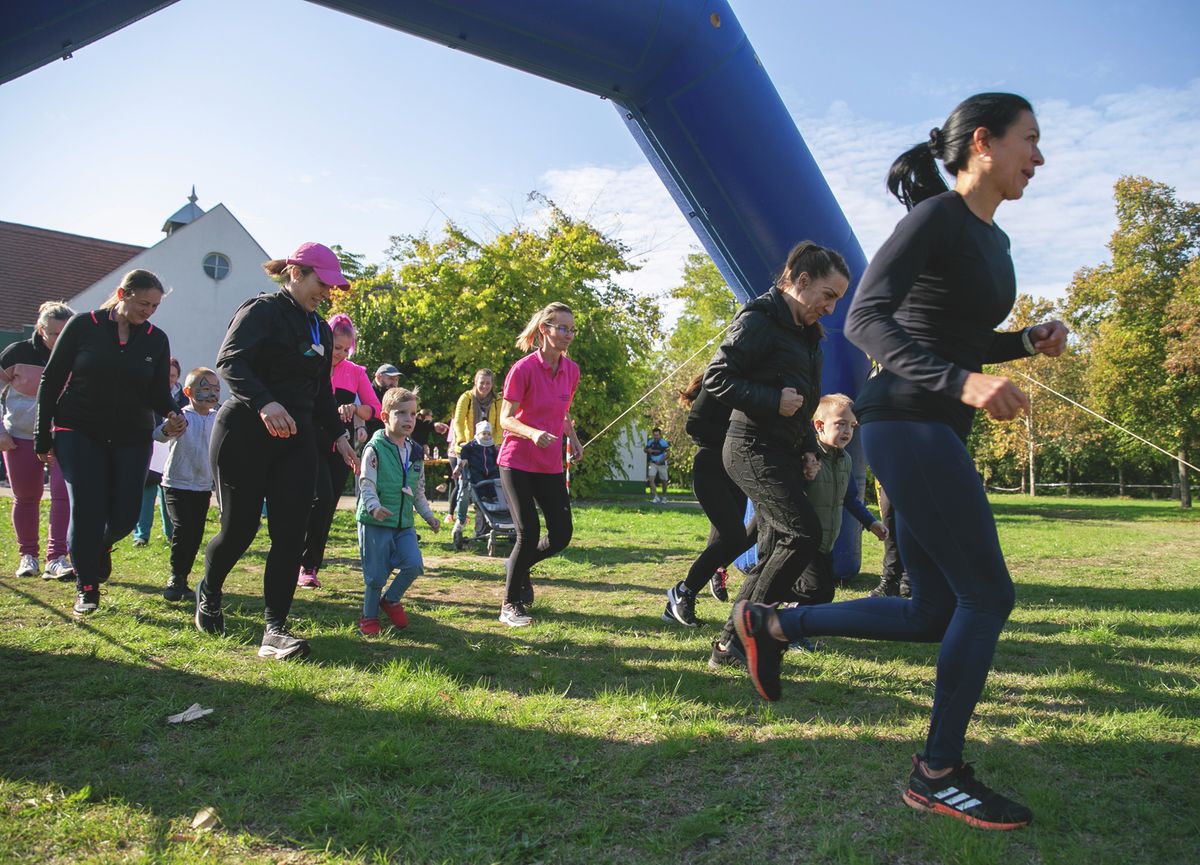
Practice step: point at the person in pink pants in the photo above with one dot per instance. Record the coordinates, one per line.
(20, 372)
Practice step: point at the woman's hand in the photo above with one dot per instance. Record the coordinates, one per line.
(574, 450)
(277, 420)
(347, 451)
(995, 394)
(543, 439)
(6, 441)
(790, 401)
(879, 530)
(347, 412)
(1049, 338)
(47, 458)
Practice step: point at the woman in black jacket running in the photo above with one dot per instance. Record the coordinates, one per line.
(276, 360)
(927, 310)
(107, 376)
(768, 369)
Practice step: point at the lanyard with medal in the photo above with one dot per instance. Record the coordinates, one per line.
(314, 328)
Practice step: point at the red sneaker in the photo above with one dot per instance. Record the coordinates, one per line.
(395, 612)
(368, 627)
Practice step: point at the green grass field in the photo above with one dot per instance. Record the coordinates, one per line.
(599, 735)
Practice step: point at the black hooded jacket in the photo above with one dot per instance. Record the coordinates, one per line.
(763, 352)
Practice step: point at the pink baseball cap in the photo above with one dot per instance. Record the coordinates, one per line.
(321, 259)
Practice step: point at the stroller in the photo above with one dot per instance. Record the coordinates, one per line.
(492, 519)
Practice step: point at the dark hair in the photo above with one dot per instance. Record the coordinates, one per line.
(688, 395)
(133, 282)
(813, 259)
(914, 176)
(276, 266)
(179, 369)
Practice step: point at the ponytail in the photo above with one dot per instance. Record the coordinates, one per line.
(133, 282)
(811, 258)
(914, 176)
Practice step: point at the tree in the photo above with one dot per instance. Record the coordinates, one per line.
(442, 308)
(1139, 314)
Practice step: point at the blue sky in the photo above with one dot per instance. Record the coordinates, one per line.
(313, 125)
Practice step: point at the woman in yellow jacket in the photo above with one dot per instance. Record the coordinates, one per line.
(477, 404)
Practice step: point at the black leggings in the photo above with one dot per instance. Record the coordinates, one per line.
(725, 506)
(104, 485)
(789, 529)
(250, 467)
(332, 472)
(526, 491)
(187, 510)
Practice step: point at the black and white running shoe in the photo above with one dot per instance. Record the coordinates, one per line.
(209, 617)
(279, 644)
(87, 599)
(718, 584)
(962, 796)
(681, 606)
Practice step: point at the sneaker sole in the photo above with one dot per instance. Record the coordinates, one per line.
(919, 803)
(750, 645)
(299, 653)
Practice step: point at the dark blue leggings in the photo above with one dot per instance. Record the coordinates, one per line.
(104, 483)
(961, 591)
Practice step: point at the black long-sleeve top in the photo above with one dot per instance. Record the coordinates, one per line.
(268, 356)
(926, 311)
(763, 352)
(95, 385)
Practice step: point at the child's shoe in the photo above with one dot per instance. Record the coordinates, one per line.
(395, 612)
(368, 627)
(308, 579)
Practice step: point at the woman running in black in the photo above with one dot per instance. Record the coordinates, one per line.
(276, 360)
(768, 369)
(721, 499)
(107, 376)
(926, 311)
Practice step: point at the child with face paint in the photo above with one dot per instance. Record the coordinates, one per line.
(187, 477)
(479, 457)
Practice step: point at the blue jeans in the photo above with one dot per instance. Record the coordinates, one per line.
(146, 517)
(961, 590)
(384, 550)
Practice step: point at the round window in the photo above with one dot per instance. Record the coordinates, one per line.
(216, 265)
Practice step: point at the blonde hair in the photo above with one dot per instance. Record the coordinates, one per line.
(53, 310)
(833, 402)
(398, 395)
(194, 374)
(531, 335)
(133, 282)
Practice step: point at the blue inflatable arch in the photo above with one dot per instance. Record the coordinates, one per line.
(684, 78)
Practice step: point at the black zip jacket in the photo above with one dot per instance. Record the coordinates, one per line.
(95, 385)
(267, 356)
(763, 352)
(707, 421)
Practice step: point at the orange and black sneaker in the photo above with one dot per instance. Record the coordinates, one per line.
(764, 653)
(962, 796)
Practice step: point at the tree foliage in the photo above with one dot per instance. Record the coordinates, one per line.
(1139, 315)
(440, 308)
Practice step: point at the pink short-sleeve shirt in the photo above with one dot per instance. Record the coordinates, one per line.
(543, 400)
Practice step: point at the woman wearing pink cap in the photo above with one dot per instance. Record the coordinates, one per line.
(276, 361)
(538, 392)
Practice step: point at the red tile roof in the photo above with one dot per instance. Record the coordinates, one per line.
(37, 265)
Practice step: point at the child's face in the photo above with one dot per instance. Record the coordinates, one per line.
(399, 421)
(204, 393)
(835, 426)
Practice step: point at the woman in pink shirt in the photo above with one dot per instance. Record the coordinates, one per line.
(350, 382)
(534, 415)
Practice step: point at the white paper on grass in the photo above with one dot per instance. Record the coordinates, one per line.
(191, 713)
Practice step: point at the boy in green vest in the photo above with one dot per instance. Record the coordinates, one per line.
(392, 484)
(832, 489)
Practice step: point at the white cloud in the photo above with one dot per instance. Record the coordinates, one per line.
(1062, 224)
